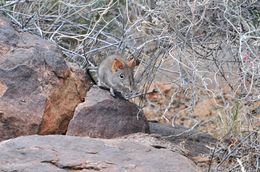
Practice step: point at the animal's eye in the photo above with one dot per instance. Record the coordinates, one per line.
(121, 75)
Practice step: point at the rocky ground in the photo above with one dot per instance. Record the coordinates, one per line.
(68, 153)
(42, 95)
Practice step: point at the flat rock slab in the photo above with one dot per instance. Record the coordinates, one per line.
(194, 142)
(103, 116)
(69, 153)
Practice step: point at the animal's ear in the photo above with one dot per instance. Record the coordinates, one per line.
(117, 65)
(132, 63)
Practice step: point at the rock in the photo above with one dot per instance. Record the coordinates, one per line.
(104, 116)
(59, 153)
(38, 90)
(195, 143)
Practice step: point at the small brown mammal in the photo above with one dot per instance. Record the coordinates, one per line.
(117, 74)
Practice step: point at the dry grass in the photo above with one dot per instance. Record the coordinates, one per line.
(203, 49)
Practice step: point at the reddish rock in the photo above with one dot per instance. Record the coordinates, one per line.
(38, 91)
(104, 116)
(68, 153)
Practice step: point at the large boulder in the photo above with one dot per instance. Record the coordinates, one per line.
(57, 153)
(38, 90)
(104, 116)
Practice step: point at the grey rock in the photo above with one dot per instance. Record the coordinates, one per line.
(195, 142)
(70, 153)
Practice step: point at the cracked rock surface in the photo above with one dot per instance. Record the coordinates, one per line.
(38, 90)
(69, 153)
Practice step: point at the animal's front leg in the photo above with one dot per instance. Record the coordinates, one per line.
(112, 92)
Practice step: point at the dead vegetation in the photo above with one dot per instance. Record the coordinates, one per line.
(203, 55)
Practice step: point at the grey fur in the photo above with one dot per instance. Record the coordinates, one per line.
(121, 80)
